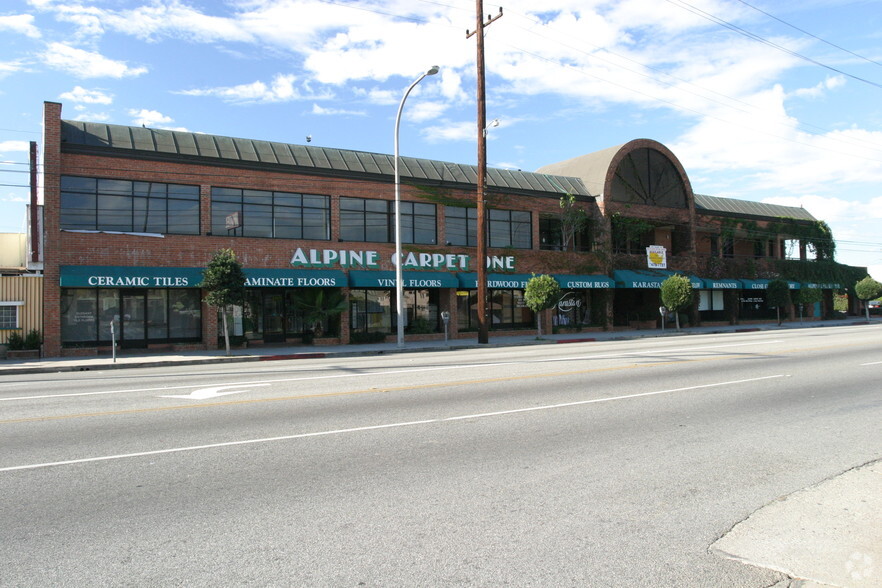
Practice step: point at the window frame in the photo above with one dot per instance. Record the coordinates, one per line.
(17, 318)
(361, 218)
(122, 205)
(270, 205)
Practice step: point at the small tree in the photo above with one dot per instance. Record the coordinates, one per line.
(542, 292)
(224, 279)
(866, 290)
(807, 296)
(573, 220)
(676, 295)
(777, 296)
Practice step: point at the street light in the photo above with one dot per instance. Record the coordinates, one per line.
(399, 274)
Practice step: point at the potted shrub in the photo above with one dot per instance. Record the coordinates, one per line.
(318, 305)
(27, 347)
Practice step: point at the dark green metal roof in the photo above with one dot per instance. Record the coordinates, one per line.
(303, 158)
(742, 208)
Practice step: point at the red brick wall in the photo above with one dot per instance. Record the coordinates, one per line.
(73, 248)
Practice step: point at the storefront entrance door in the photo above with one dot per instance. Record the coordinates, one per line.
(133, 319)
(273, 317)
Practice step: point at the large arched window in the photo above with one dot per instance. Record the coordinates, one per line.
(647, 176)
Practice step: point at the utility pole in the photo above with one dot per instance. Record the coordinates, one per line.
(483, 328)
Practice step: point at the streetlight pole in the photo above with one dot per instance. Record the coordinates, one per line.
(399, 274)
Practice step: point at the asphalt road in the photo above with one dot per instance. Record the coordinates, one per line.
(596, 464)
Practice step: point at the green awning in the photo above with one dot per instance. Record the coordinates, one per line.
(386, 279)
(495, 281)
(649, 278)
(293, 278)
(722, 284)
(764, 284)
(579, 282)
(825, 286)
(119, 276)
(755, 284)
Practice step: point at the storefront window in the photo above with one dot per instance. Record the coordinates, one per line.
(711, 305)
(753, 305)
(507, 310)
(370, 311)
(185, 314)
(140, 316)
(108, 308)
(79, 315)
(467, 310)
(572, 310)
(157, 314)
(421, 307)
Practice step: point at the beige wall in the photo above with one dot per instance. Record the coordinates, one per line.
(13, 250)
(27, 290)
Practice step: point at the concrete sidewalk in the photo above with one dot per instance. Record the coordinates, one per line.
(826, 535)
(136, 359)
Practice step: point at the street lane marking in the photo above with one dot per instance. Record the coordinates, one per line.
(378, 427)
(401, 371)
(214, 392)
(374, 390)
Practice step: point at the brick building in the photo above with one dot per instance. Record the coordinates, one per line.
(132, 216)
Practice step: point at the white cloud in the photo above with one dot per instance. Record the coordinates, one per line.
(7, 146)
(83, 96)
(425, 110)
(20, 23)
(321, 111)
(87, 64)
(822, 88)
(461, 131)
(93, 116)
(9, 67)
(830, 209)
(149, 118)
(281, 89)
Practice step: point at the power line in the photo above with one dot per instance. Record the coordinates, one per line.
(824, 132)
(732, 27)
(805, 32)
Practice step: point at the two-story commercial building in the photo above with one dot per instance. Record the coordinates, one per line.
(132, 216)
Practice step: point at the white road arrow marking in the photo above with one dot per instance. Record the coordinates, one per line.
(206, 393)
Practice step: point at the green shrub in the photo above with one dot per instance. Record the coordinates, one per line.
(33, 340)
(15, 342)
(420, 326)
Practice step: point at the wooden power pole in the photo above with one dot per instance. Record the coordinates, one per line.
(483, 327)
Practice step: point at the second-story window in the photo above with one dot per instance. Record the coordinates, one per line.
(374, 221)
(505, 228)
(461, 225)
(510, 228)
(279, 215)
(127, 206)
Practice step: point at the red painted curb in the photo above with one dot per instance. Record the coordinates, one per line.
(586, 340)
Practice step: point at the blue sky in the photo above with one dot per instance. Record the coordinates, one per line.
(761, 100)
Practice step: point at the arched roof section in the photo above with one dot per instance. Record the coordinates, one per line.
(641, 171)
